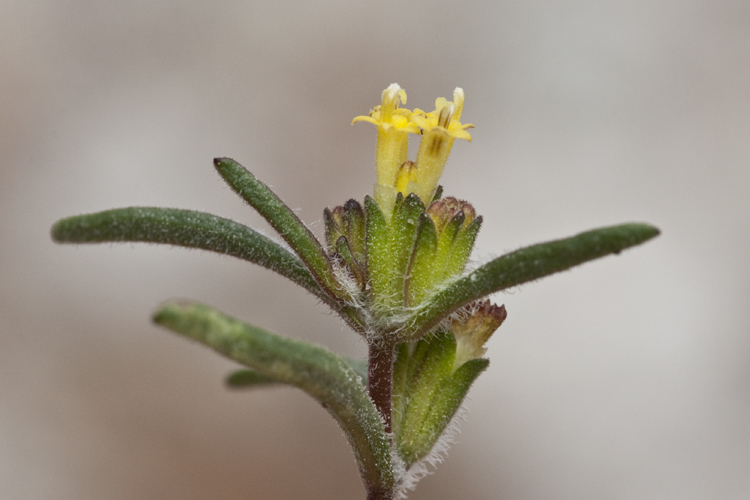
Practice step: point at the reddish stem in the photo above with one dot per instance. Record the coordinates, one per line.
(380, 389)
(380, 380)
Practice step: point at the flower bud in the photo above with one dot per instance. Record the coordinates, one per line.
(475, 330)
(445, 210)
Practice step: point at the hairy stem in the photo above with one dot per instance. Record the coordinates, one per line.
(380, 494)
(380, 389)
(380, 379)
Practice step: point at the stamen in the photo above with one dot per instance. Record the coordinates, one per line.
(446, 113)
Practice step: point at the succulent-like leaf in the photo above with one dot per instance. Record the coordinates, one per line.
(187, 228)
(282, 219)
(528, 264)
(322, 374)
(243, 379)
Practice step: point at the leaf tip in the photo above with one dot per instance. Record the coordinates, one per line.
(57, 232)
(640, 232)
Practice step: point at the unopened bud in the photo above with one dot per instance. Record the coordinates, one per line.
(444, 210)
(475, 330)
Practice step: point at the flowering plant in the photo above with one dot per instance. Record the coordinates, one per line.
(393, 268)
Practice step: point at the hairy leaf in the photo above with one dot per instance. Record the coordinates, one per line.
(282, 219)
(529, 264)
(186, 228)
(320, 373)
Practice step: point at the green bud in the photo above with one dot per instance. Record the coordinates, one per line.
(349, 221)
(351, 265)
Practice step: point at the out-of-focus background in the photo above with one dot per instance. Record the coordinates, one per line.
(628, 378)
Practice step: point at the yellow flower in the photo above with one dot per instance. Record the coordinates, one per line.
(440, 128)
(393, 142)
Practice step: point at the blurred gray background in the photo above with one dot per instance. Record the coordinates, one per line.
(628, 378)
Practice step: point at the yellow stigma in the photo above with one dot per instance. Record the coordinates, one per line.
(440, 128)
(393, 142)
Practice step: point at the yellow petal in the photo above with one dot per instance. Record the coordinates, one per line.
(365, 119)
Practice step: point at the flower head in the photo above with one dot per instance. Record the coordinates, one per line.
(394, 127)
(440, 128)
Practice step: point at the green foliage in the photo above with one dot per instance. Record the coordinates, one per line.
(241, 379)
(186, 228)
(396, 281)
(320, 373)
(528, 264)
(282, 219)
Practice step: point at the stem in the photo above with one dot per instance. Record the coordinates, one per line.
(380, 389)
(380, 494)
(380, 379)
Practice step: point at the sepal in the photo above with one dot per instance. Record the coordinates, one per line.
(378, 259)
(428, 391)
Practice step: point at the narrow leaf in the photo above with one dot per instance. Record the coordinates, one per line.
(322, 374)
(281, 218)
(242, 379)
(186, 228)
(528, 264)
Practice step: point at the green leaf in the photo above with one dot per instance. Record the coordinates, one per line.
(242, 379)
(320, 373)
(187, 228)
(282, 219)
(528, 264)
